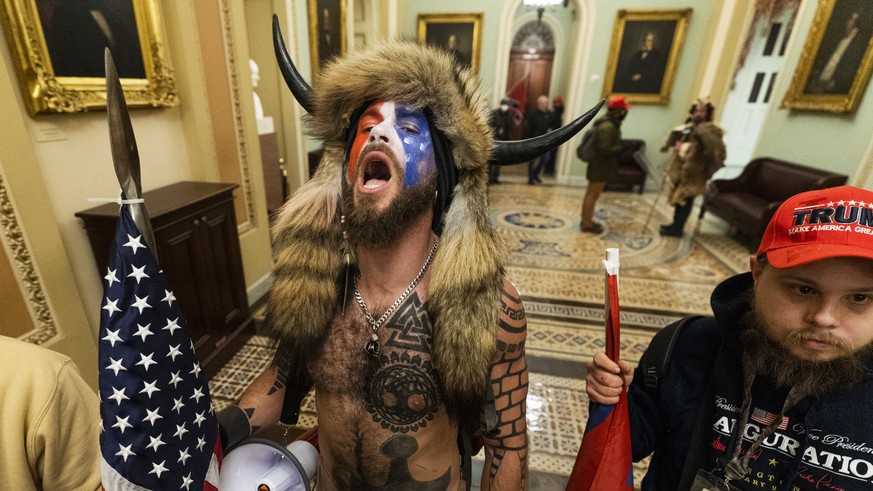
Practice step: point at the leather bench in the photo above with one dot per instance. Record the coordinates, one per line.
(748, 201)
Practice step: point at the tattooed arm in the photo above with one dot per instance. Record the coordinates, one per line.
(506, 453)
(259, 407)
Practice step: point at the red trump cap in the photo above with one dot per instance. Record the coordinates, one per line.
(820, 224)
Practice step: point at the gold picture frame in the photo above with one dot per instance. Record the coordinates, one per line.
(644, 54)
(835, 65)
(460, 34)
(327, 31)
(57, 70)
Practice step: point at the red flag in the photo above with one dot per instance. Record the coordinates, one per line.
(604, 461)
(518, 93)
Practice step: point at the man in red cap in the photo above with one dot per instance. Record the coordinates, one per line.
(602, 167)
(770, 393)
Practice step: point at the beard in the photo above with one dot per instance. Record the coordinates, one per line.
(811, 377)
(370, 227)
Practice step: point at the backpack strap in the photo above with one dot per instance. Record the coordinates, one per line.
(655, 363)
(695, 459)
(656, 359)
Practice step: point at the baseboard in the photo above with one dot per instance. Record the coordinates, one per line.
(571, 180)
(259, 289)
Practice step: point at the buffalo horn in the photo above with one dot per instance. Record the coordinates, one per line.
(299, 87)
(518, 151)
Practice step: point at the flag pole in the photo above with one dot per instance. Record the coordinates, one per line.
(159, 429)
(604, 460)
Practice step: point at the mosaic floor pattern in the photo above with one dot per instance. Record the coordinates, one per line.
(557, 270)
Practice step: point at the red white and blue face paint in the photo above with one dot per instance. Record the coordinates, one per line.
(405, 133)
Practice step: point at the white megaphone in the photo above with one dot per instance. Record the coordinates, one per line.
(257, 464)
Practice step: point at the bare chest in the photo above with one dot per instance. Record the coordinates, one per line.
(366, 404)
(399, 386)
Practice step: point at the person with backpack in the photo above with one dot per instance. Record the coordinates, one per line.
(601, 154)
(770, 392)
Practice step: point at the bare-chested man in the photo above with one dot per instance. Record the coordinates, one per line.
(389, 295)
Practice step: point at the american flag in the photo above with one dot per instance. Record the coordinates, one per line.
(765, 418)
(604, 461)
(158, 427)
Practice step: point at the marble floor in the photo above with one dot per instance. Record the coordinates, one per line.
(557, 270)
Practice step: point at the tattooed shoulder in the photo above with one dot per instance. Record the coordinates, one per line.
(512, 321)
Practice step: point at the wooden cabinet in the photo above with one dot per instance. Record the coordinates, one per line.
(198, 249)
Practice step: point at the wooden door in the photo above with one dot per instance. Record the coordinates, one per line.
(535, 64)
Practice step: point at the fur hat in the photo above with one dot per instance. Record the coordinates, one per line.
(466, 273)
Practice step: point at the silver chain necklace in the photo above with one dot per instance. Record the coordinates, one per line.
(373, 347)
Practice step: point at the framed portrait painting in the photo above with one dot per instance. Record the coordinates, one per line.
(327, 31)
(57, 47)
(459, 34)
(644, 54)
(834, 67)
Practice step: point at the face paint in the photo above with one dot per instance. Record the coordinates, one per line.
(405, 130)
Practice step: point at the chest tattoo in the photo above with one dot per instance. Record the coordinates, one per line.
(403, 386)
(399, 448)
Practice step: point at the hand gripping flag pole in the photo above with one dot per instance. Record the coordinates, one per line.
(604, 461)
(158, 427)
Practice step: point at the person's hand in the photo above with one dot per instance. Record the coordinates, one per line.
(606, 379)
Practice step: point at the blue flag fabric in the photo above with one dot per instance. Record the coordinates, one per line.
(159, 429)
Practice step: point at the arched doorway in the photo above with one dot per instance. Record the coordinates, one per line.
(531, 60)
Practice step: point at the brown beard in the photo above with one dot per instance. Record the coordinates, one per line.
(370, 227)
(807, 376)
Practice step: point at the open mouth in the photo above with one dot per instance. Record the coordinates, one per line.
(375, 171)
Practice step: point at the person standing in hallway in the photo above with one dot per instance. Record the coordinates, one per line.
(602, 167)
(698, 151)
(501, 125)
(558, 118)
(539, 123)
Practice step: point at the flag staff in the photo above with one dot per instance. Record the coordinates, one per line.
(604, 461)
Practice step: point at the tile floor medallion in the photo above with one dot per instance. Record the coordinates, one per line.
(557, 270)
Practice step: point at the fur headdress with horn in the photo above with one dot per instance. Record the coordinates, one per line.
(466, 272)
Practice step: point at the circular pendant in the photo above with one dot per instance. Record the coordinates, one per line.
(372, 348)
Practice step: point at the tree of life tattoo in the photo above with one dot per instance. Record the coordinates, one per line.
(404, 392)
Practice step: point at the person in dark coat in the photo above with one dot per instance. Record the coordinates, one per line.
(558, 121)
(501, 124)
(539, 123)
(780, 378)
(602, 167)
